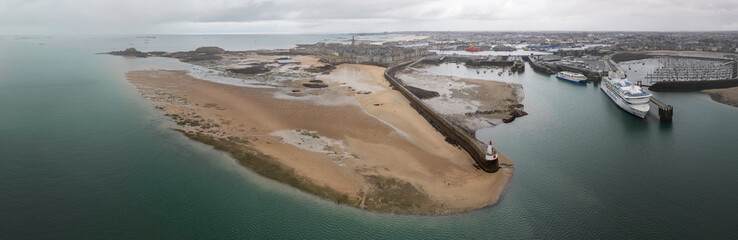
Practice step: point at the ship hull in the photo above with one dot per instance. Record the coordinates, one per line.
(641, 113)
(571, 81)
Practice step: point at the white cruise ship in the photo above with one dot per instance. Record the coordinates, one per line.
(629, 97)
(577, 78)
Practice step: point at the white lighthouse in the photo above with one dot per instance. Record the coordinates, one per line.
(491, 154)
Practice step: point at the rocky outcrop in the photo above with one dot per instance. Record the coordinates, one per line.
(130, 52)
(250, 70)
(325, 69)
(627, 56)
(315, 85)
(209, 50)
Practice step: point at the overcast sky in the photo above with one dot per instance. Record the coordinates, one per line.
(340, 16)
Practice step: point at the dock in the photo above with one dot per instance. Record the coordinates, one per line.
(453, 134)
(665, 111)
(538, 67)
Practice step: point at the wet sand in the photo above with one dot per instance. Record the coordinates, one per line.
(469, 103)
(728, 96)
(357, 141)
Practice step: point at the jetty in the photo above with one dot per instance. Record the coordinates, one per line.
(538, 67)
(453, 134)
(665, 111)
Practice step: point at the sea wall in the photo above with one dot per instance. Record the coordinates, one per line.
(500, 63)
(591, 75)
(691, 86)
(539, 67)
(454, 135)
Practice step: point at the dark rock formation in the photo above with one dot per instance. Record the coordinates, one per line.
(514, 113)
(202, 58)
(315, 85)
(130, 52)
(210, 50)
(200, 54)
(322, 69)
(250, 70)
(626, 56)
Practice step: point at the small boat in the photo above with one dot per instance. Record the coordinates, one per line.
(473, 48)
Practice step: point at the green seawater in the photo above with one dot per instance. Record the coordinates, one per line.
(83, 156)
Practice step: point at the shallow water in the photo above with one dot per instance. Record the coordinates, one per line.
(82, 155)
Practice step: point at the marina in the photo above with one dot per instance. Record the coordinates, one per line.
(691, 69)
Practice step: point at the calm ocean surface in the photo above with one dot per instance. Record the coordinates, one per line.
(83, 156)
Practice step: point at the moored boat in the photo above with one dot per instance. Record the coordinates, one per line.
(577, 78)
(472, 48)
(631, 98)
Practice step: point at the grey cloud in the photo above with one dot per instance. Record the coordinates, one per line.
(139, 16)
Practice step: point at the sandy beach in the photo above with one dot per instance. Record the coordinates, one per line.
(409, 38)
(728, 96)
(357, 141)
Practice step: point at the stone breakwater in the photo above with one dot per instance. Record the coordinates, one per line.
(454, 135)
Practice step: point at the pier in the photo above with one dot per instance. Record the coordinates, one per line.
(538, 67)
(665, 111)
(453, 134)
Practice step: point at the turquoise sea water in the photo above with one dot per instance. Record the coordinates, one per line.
(82, 155)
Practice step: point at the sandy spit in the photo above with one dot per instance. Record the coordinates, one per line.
(372, 151)
(728, 96)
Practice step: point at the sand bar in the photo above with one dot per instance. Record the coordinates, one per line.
(728, 96)
(357, 141)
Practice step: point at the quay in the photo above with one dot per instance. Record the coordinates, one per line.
(539, 67)
(665, 111)
(453, 134)
(594, 70)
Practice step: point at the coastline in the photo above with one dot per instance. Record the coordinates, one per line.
(352, 161)
(727, 96)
